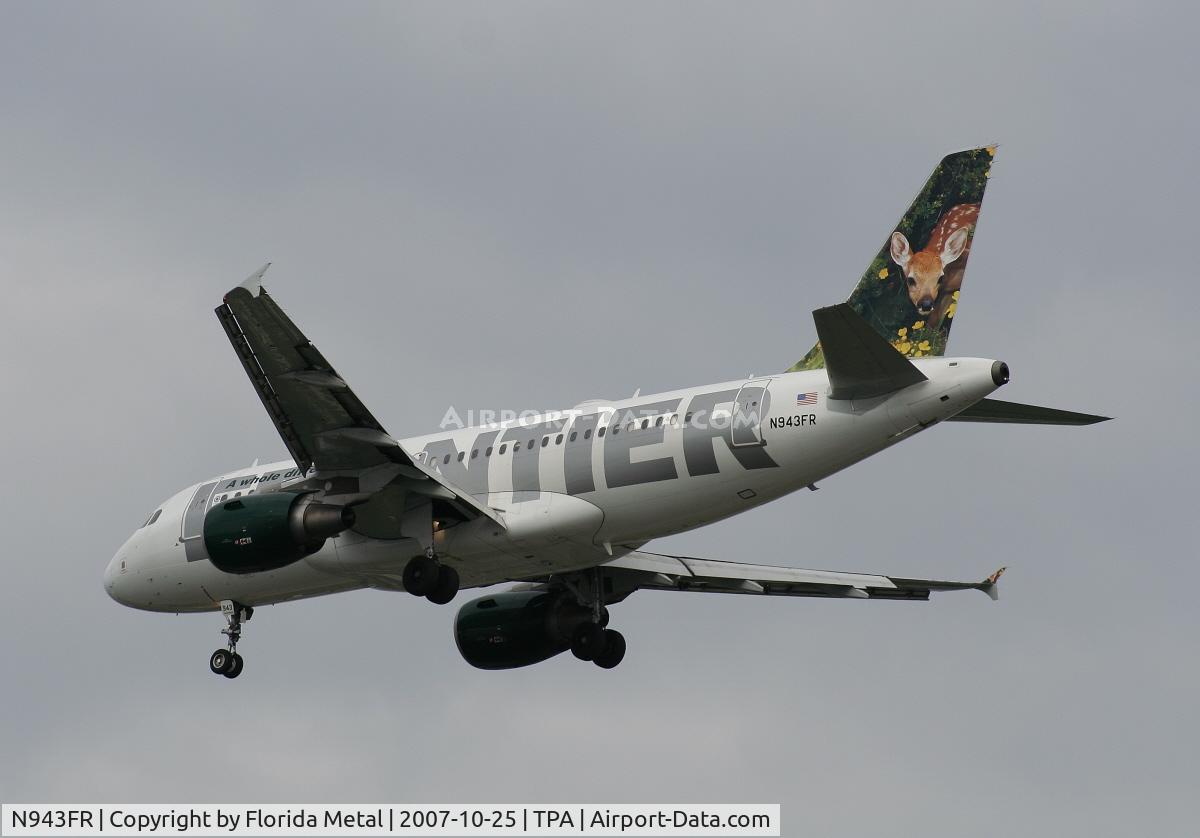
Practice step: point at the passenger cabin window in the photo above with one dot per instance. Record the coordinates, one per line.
(558, 439)
(488, 452)
(574, 435)
(461, 454)
(446, 461)
(503, 448)
(587, 434)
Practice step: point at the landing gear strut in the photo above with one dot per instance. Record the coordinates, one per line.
(426, 576)
(227, 661)
(593, 640)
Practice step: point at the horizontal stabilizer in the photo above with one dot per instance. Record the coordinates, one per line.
(860, 362)
(994, 410)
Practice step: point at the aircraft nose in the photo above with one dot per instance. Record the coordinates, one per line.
(112, 578)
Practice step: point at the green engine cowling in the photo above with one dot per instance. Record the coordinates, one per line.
(254, 533)
(510, 630)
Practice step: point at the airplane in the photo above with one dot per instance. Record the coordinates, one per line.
(563, 504)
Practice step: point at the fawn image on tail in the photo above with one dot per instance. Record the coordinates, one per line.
(935, 272)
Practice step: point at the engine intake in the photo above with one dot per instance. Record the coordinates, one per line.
(266, 532)
(510, 630)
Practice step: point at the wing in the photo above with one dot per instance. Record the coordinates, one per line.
(321, 421)
(639, 569)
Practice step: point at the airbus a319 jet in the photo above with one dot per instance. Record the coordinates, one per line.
(563, 504)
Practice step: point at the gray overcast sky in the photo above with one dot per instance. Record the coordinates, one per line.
(500, 205)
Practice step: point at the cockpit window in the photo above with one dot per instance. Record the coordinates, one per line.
(152, 518)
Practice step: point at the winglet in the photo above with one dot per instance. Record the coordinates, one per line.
(989, 585)
(253, 283)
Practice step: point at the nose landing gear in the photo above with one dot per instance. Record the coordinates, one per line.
(227, 661)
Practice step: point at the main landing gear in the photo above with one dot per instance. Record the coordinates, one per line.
(602, 646)
(426, 576)
(592, 640)
(227, 661)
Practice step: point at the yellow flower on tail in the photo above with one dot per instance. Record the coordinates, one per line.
(902, 331)
(883, 273)
(920, 324)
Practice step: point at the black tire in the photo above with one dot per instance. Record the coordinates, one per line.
(220, 661)
(613, 652)
(587, 642)
(236, 666)
(446, 587)
(420, 575)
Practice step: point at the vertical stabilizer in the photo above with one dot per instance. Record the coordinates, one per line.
(909, 293)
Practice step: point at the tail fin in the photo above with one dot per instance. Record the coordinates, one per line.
(909, 293)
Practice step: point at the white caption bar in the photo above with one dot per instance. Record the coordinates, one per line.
(296, 820)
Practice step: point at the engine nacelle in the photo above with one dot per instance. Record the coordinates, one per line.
(506, 631)
(269, 531)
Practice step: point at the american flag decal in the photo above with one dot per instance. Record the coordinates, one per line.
(806, 398)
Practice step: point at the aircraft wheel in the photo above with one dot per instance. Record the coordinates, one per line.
(236, 666)
(220, 661)
(420, 575)
(446, 586)
(613, 652)
(588, 641)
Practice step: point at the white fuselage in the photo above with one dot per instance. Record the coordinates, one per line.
(573, 489)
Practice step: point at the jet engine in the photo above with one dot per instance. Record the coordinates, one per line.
(269, 531)
(509, 630)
